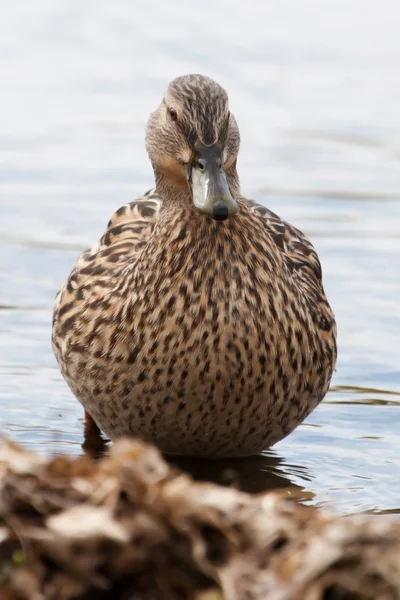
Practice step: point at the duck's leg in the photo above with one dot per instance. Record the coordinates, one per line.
(93, 443)
(91, 427)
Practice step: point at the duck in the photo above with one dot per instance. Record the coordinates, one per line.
(198, 321)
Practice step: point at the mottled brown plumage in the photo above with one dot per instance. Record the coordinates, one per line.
(206, 337)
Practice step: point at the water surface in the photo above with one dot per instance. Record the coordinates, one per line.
(315, 88)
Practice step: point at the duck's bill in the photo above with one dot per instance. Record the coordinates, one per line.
(207, 181)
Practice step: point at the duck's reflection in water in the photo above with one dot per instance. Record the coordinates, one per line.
(259, 473)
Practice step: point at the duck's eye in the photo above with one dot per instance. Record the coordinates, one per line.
(172, 113)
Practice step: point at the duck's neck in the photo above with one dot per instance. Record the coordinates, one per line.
(174, 193)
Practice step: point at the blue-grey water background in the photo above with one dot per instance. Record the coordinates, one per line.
(315, 87)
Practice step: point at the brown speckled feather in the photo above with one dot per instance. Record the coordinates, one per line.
(205, 337)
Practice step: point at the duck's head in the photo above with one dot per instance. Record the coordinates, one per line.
(193, 140)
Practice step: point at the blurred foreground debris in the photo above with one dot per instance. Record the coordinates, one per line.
(128, 527)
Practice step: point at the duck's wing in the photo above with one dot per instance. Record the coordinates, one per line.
(298, 252)
(93, 274)
(127, 233)
(302, 261)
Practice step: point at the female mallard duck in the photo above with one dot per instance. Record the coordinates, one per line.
(199, 321)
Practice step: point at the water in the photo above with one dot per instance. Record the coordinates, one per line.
(315, 88)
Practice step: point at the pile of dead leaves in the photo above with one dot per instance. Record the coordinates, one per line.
(128, 527)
